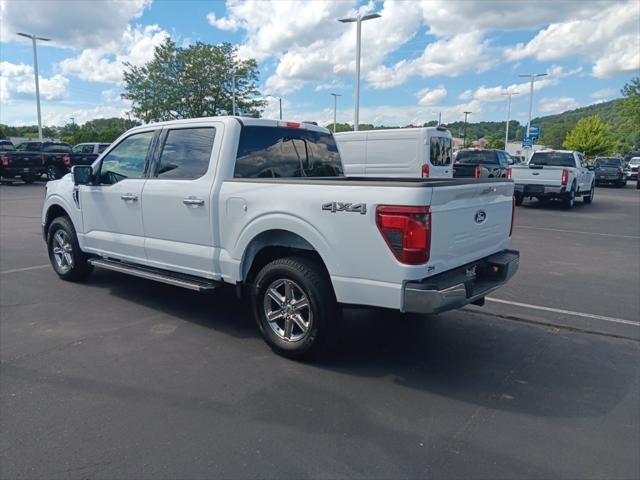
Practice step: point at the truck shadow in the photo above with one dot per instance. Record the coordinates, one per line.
(490, 362)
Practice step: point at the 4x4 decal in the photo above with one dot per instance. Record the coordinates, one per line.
(334, 207)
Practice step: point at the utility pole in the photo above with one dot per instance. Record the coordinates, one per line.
(233, 95)
(358, 20)
(532, 76)
(35, 71)
(439, 118)
(464, 132)
(506, 133)
(335, 108)
(73, 121)
(280, 104)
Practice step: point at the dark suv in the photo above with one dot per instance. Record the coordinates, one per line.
(482, 163)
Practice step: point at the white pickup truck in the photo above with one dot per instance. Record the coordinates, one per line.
(264, 205)
(554, 175)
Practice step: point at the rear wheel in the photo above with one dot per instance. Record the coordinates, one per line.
(570, 199)
(28, 179)
(295, 307)
(519, 199)
(68, 261)
(589, 198)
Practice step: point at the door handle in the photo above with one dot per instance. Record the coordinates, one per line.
(198, 202)
(129, 197)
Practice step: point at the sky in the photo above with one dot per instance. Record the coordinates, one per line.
(419, 59)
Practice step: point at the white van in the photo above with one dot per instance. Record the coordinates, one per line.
(399, 152)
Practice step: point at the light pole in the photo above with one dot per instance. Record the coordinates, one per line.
(233, 92)
(279, 103)
(464, 131)
(532, 76)
(335, 108)
(35, 70)
(506, 133)
(358, 20)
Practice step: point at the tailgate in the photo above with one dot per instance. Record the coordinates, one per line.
(542, 175)
(23, 160)
(469, 222)
(464, 170)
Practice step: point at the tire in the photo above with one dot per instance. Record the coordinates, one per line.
(622, 184)
(277, 288)
(68, 261)
(28, 179)
(570, 199)
(519, 200)
(589, 198)
(53, 172)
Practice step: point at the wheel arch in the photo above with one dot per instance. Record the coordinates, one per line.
(275, 243)
(54, 211)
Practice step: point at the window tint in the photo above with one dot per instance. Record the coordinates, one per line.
(6, 146)
(31, 147)
(87, 148)
(555, 159)
(102, 147)
(186, 153)
(57, 147)
(440, 152)
(77, 149)
(127, 160)
(607, 162)
(477, 156)
(285, 153)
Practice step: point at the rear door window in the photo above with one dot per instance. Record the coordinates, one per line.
(269, 152)
(186, 153)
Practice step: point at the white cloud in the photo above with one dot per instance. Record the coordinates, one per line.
(604, 93)
(17, 82)
(610, 39)
(106, 63)
(466, 95)
(557, 104)
(446, 16)
(428, 97)
(72, 23)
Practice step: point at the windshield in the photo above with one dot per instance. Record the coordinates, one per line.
(607, 162)
(553, 159)
(634, 161)
(285, 153)
(6, 146)
(477, 156)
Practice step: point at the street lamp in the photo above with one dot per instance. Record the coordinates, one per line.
(532, 76)
(279, 103)
(335, 105)
(506, 133)
(233, 93)
(358, 20)
(464, 132)
(35, 70)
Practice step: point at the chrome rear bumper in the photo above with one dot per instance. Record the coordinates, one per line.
(464, 285)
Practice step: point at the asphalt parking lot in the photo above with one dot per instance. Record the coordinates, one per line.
(124, 378)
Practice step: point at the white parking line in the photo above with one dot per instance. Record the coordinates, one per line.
(25, 269)
(577, 231)
(566, 312)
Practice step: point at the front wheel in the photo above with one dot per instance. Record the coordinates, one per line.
(295, 307)
(68, 261)
(53, 172)
(589, 198)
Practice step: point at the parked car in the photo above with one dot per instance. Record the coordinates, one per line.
(632, 168)
(555, 175)
(264, 205)
(84, 154)
(482, 163)
(399, 152)
(610, 170)
(6, 146)
(40, 157)
(24, 162)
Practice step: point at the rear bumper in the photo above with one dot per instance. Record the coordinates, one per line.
(464, 285)
(12, 172)
(534, 190)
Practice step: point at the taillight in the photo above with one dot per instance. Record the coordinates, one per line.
(5, 161)
(425, 170)
(565, 176)
(619, 170)
(289, 124)
(513, 214)
(477, 171)
(508, 173)
(66, 159)
(407, 231)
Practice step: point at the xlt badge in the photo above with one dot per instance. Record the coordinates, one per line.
(334, 207)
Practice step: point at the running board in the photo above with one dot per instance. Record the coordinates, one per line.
(177, 279)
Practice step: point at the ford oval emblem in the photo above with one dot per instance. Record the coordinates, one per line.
(480, 216)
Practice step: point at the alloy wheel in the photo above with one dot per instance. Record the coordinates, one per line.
(62, 251)
(287, 309)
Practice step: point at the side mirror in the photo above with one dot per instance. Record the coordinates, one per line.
(82, 174)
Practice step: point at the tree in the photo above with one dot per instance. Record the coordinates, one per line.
(494, 141)
(590, 136)
(192, 82)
